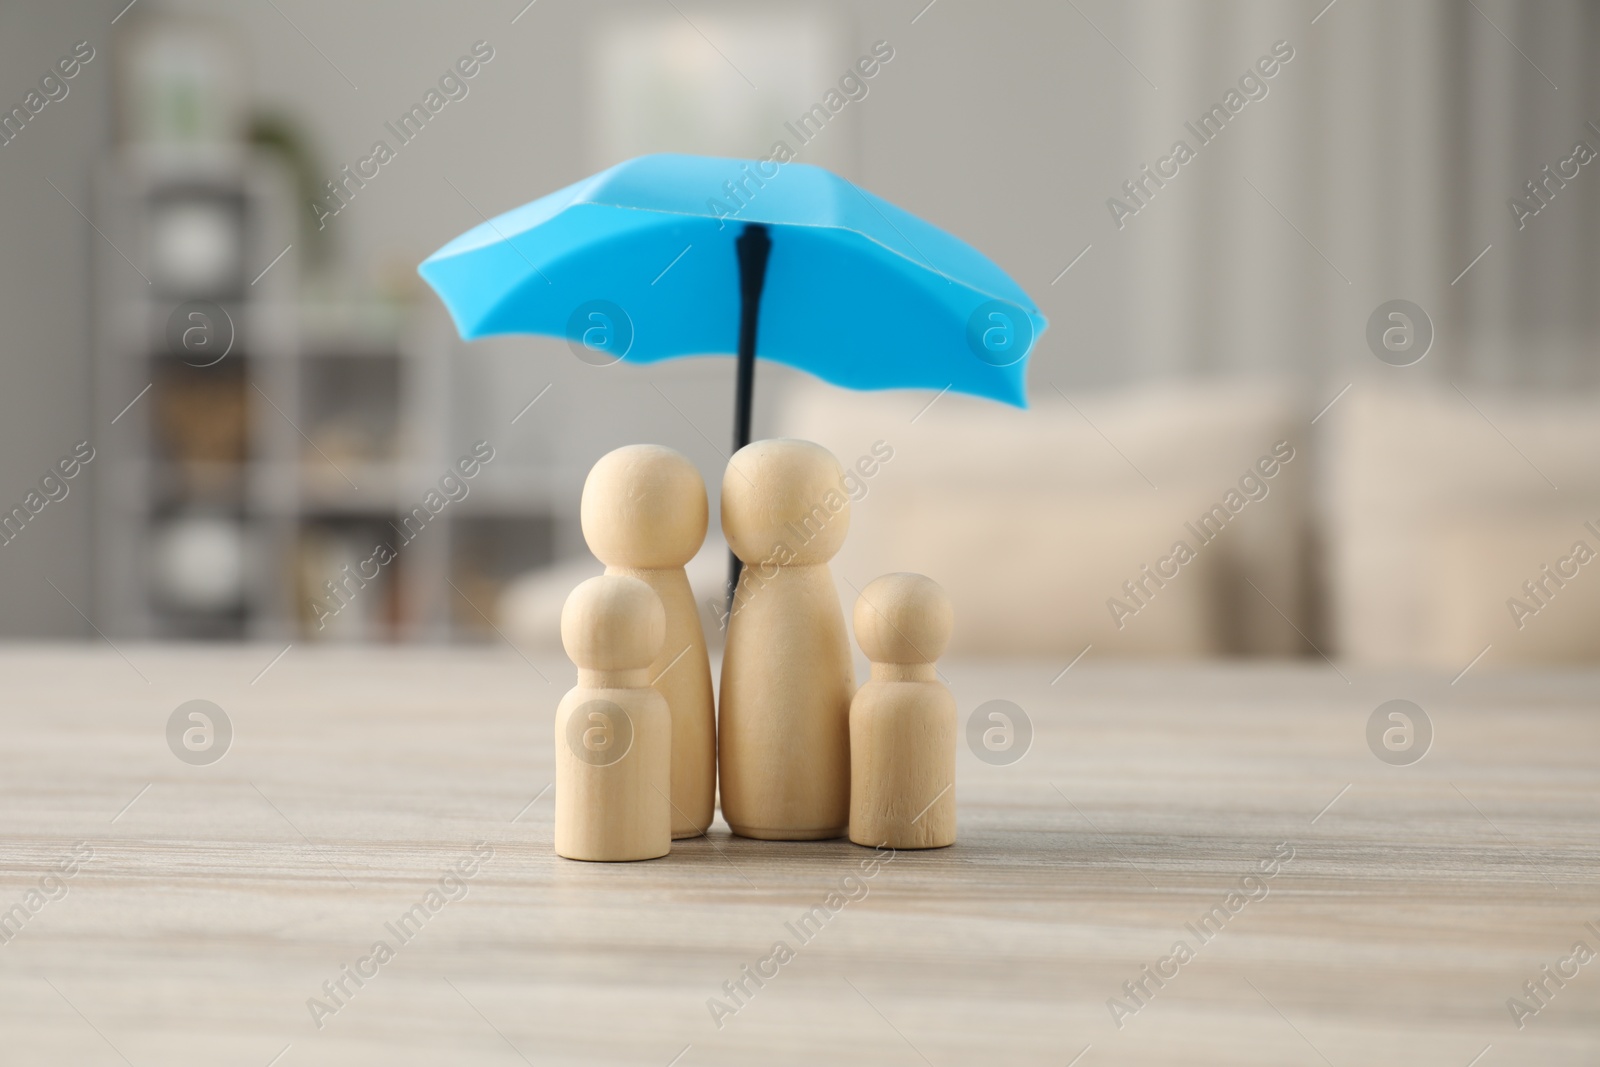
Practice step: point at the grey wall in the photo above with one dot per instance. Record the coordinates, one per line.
(44, 281)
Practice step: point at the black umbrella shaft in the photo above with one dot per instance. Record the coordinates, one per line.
(753, 247)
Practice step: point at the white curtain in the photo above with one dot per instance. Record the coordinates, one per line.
(1391, 143)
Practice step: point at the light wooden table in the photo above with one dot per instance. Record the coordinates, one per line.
(220, 898)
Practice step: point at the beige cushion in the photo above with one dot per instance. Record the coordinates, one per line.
(1436, 520)
(1480, 566)
(1033, 519)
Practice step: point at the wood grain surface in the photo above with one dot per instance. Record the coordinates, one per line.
(219, 899)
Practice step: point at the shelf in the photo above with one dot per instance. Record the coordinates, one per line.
(359, 328)
(370, 381)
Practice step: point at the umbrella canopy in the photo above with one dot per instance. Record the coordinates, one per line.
(639, 263)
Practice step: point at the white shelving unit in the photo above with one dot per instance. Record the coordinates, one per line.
(236, 488)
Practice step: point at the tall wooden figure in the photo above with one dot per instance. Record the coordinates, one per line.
(613, 732)
(903, 721)
(787, 673)
(644, 516)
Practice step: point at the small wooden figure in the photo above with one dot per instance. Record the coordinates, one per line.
(613, 732)
(903, 720)
(787, 673)
(644, 515)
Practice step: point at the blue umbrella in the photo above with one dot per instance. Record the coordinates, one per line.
(676, 255)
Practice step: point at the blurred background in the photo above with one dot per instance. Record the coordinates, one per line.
(223, 384)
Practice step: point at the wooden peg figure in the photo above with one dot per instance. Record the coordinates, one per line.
(787, 674)
(613, 732)
(644, 515)
(903, 720)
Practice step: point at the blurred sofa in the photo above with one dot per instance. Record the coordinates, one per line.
(1396, 533)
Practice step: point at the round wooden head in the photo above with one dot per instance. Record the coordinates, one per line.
(613, 623)
(904, 618)
(644, 506)
(784, 500)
